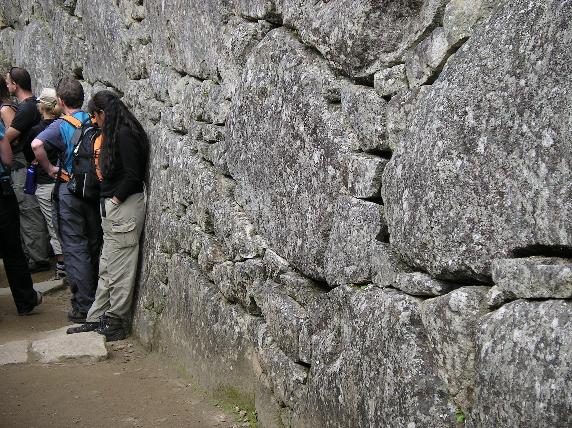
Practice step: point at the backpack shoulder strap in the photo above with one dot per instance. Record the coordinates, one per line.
(73, 121)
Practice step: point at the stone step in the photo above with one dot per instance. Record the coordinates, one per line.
(55, 347)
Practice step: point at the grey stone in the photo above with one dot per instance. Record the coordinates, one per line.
(461, 16)
(534, 277)
(14, 352)
(7, 51)
(494, 177)
(287, 378)
(283, 315)
(289, 190)
(385, 264)
(356, 225)
(303, 290)
(364, 109)
(105, 61)
(427, 59)
(364, 175)
(237, 280)
(421, 284)
(57, 346)
(450, 322)
(497, 297)
(399, 109)
(524, 355)
(372, 362)
(360, 37)
(391, 80)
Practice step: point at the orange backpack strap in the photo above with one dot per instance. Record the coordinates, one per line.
(96, 153)
(73, 121)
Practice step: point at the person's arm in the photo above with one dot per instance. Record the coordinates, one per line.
(42, 158)
(51, 135)
(5, 152)
(7, 115)
(11, 135)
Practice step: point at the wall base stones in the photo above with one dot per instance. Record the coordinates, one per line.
(359, 212)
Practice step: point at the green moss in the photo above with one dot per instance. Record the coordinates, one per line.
(460, 416)
(235, 401)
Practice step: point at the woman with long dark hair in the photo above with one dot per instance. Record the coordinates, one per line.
(122, 164)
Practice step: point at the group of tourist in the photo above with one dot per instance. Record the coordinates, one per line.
(97, 239)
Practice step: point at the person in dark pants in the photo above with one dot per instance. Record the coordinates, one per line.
(15, 263)
(77, 220)
(32, 226)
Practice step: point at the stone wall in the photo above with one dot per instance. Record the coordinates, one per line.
(359, 211)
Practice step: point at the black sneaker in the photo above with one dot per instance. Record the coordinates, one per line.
(84, 328)
(39, 299)
(77, 316)
(112, 329)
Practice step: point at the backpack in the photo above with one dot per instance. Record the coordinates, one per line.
(85, 177)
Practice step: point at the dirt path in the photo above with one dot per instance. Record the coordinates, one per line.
(130, 389)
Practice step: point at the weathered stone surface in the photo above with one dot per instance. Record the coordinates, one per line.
(497, 297)
(420, 284)
(364, 109)
(284, 144)
(427, 59)
(14, 352)
(174, 27)
(450, 322)
(359, 37)
(535, 277)
(399, 109)
(29, 48)
(236, 281)
(288, 379)
(524, 355)
(461, 17)
(7, 51)
(105, 60)
(386, 264)
(390, 80)
(356, 226)
(57, 346)
(364, 175)
(372, 363)
(206, 333)
(477, 177)
(283, 315)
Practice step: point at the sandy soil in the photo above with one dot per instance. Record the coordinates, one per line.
(132, 388)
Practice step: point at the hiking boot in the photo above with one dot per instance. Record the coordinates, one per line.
(77, 316)
(112, 329)
(39, 299)
(35, 267)
(84, 328)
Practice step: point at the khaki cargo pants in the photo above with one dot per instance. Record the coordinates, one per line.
(122, 226)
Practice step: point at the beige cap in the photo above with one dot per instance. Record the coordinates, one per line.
(48, 96)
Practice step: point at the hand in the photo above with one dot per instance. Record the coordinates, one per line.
(115, 201)
(53, 171)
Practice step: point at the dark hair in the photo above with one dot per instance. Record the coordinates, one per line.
(4, 93)
(21, 77)
(117, 115)
(70, 91)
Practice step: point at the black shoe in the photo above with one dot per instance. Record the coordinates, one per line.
(77, 316)
(39, 299)
(84, 328)
(112, 329)
(35, 267)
